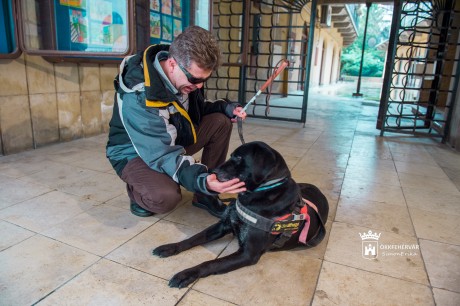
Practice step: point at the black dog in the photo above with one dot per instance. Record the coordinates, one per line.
(275, 213)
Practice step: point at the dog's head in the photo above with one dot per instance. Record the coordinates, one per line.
(253, 163)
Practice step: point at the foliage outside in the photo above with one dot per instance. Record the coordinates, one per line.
(378, 31)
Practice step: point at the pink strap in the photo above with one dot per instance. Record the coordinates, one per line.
(304, 233)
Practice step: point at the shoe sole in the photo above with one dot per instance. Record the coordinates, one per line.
(202, 206)
(147, 214)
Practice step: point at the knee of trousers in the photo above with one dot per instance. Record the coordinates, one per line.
(162, 201)
(223, 122)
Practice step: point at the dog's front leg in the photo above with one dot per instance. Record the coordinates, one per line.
(243, 257)
(213, 232)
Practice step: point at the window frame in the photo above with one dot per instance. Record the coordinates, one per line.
(47, 8)
(14, 32)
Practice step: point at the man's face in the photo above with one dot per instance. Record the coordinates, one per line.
(191, 78)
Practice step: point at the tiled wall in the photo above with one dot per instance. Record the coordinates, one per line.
(43, 103)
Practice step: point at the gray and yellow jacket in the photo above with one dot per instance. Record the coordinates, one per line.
(149, 121)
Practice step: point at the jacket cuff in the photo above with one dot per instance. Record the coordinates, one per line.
(193, 178)
(230, 107)
(201, 183)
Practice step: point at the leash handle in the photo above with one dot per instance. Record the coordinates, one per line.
(284, 64)
(239, 123)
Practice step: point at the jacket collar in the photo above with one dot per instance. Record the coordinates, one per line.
(151, 76)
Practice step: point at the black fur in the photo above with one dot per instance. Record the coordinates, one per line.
(254, 163)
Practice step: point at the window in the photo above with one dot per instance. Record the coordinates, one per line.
(8, 39)
(99, 29)
(167, 19)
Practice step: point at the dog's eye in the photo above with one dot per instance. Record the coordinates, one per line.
(237, 158)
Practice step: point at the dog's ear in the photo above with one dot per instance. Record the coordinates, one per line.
(268, 165)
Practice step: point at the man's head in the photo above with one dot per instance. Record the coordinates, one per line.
(193, 56)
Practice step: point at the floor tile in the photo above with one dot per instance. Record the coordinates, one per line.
(24, 166)
(95, 143)
(194, 298)
(327, 179)
(436, 226)
(327, 159)
(100, 229)
(342, 285)
(345, 247)
(445, 275)
(420, 169)
(98, 187)
(35, 267)
(109, 283)
(192, 216)
(432, 200)
(12, 234)
(121, 201)
(372, 175)
(361, 151)
(371, 163)
(58, 174)
(414, 157)
(372, 192)
(277, 268)
(45, 211)
(93, 161)
(428, 183)
(14, 191)
(137, 253)
(382, 216)
(446, 298)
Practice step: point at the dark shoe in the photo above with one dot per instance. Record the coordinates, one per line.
(139, 211)
(210, 203)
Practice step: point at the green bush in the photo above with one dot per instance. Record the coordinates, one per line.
(374, 59)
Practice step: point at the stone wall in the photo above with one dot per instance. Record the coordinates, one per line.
(43, 103)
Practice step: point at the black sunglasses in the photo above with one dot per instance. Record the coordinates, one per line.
(190, 77)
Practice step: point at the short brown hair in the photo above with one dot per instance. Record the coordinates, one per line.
(198, 45)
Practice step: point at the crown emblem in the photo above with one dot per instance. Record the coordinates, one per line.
(370, 235)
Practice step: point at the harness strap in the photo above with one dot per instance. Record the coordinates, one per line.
(253, 219)
(304, 232)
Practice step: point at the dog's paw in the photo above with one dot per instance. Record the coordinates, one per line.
(166, 250)
(184, 278)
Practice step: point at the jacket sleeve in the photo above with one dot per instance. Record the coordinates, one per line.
(151, 138)
(224, 106)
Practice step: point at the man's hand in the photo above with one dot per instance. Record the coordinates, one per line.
(231, 186)
(238, 112)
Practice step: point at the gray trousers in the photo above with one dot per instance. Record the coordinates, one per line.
(157, 192)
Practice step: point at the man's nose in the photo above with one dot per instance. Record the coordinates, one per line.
(199, 85)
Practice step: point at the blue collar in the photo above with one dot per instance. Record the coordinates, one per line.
(271, 184)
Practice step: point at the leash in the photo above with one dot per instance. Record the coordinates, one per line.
(280, 66)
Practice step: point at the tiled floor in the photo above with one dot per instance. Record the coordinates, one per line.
(68, 238)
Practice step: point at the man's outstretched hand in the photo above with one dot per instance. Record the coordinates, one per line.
(231, 186)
